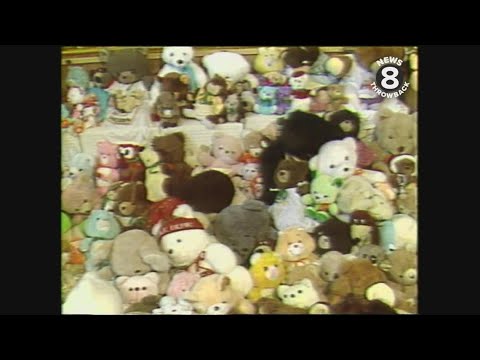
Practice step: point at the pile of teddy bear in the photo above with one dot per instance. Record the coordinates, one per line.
(316, 213)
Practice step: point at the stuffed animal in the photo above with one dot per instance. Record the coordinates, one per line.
(267, 306)
(303, 295)
(332, 265)
(333, 235)
(359, 306)
(181, 283)
(188, 245)
(404, 172)
(84, 107)
(296, 247)
(250, 173)
(210, 100)
(154, 177)
(301, 135)
(131, 167)
(234, 108)
(172, 306)
(407, 201)
(328, 69)
(273, 78)
(321, 200)
(178, 84)
(144, 307)
(77, 76)
(300, 58)
(283, 100)
(179, 59)
(215, 295)
(80, 198)
(103, 297)
(100, 78)
(300, 96)
(225, 154)
(337, 158)
(266, 102)
(243, 227)
(81, 163)
(363, 229)
(267, 272)
(349, 123)
(230, 66)
(135, 288)
(135, 252)
(131, 205)
(268, 60)
(256, 141)
(309, 271)
(355, 277)
(375, 253)
(167, 110)
(101, 228)
(396, 134)
(108, 163)
(400, 232)
(327, 99)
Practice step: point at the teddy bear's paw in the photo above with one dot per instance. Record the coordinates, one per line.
(319, 309)
(382, 292)
(158, 262)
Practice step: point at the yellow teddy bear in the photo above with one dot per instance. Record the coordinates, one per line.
(267, 271)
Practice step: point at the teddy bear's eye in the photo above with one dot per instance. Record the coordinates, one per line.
(332, 166)
(224, 302)
(144, 288)
(179, 240)
(276, 265)
(300, 291)
(171, 54)
(265, 268)
(130, 289)
(77, 209)
(346, 158)
(80, 169)
(220, 148)
(184, 54)
(390, 137)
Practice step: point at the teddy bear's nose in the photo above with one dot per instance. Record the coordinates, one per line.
(180, 62)
(136, 289)
(216, 308)
(170, 251)
(138, 271)
(336, 276)
(346, 169)
(401, 148)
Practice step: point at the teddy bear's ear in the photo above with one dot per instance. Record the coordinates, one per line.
(120, 280)
(103, 55)
(152, 276)
(255, 257)
(312, 163)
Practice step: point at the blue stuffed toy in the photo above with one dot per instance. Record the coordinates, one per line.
(266, 102)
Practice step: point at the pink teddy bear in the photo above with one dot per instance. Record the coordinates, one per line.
(181, 283)
(108, 163)
(224, 156)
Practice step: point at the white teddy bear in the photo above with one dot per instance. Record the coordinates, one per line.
(337, 158)
(171, 306)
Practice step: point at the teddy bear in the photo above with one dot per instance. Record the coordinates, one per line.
(336, 158)
(283, 100)
(256, 141)
(173, 306)
(267, 272)
(296, 247)
(266, 100)
(178, 85)
(108, 163)
(215, 295)
(328, 99)
(81, 163)
(210, 101)
(349, 123)
(268, 60)
(144, 307)
(181, 283)
(80, 198)
(131, 167)
(243, 227)
(135, 288)
(131, 205)
(249, 172)
(77, 76)
(396, 134)
(100, 229)
(300, 58)
(356, 276)
(230, 66)
(406, 202)
(135, 252)
(399, 232)
(331, 265)
(167, 110)
(327, 69)
(273, 78)
(188, 245)
(103, 297)
(321, 199)
(179, 59)
(234, 108)
(154, 177)
(404, 172)
(304, 295)
(300, 97)
(333, 235)
(309, 271)
(363, 229)
(100, 78)
(357, 193)
(375, 253)
(268, 306)
(225, 154)
(360, 306)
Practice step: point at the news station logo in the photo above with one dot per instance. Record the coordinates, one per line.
(389, 78)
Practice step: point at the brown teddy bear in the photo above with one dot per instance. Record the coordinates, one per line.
(166, 109)
(355, 305)
(132, 205)
(296, 247)
(268, 306)
(177, 84)
(355, 277)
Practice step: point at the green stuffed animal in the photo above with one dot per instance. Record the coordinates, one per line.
(321, 200)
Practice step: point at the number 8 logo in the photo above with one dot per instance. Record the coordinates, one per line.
(390, 74)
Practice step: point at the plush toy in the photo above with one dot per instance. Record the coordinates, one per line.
(131, 167)
(337, 158)
(357, 193)
(283, 100)
(78, 76)
(267, 306)
(103, 297)
(356, 305)
(349, 122)
(181, 283)
(172, 306)
(80, 198)
(154, 177)
(135, 252)
(375, 253)
(215, 295)
(367, 56)
(131, 205)
(273, 78)
(300, 96)
(404, 172)
(243, 227)
(234, 108)
(178, 85)
(363, 229)
(225, 154)
(266, 102)
(332, 265)
(296, 247)
(321, 200)
(268, 60)
(267, 272)
(396, 134)
(188, 245)
(108, 163)
(300, 58)
(256, 141)
(333, 235)
(135, 288)
(327, 99)
(100, 78)
(101, 228)
(399, 232)
(144, 307)
(84, 107)
(250, 174)
(355, 277)
(81, 163)
(328, 69)
(179, 59)
(167, 110)
(309, 271)
(210, 100)
(301, 135)
(407, 201)
(230, 66)
(303, 295)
